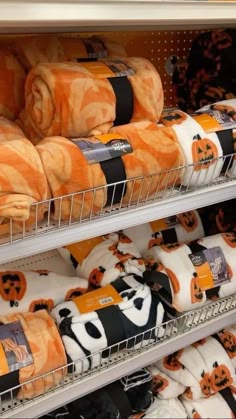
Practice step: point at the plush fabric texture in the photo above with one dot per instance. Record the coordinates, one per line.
(212, 408)
(202, 150)
(227, 338)
(12, 77)
(163, 385)
(34, 49)
(161, 408)
(155, 149)
(187, 227)
(208, 75)
(47, 351)
(91, 333)
(204, 368)
(106, 259)
(22, 178)
(67, 99)
(22, 291)
(219, 218)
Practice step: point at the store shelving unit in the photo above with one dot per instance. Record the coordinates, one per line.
(75, 16)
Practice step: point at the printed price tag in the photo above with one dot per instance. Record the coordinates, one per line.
(100, 298)
(15, 351)
(211, 268)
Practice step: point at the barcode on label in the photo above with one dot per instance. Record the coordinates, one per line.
(106, 300)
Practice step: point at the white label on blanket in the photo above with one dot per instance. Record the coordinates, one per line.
(15, 351)
(217, 116)
(95, 300)
(103, 147)
(106, 69)
(211, 268)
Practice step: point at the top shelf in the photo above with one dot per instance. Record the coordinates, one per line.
(53, 15)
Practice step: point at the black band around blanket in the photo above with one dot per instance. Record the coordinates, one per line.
(124, 99)
(229, 398)
(169, 236)
(110, 319)
(120, 399)
(227, 145)
(114, 172)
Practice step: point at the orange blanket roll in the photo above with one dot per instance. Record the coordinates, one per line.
(81, 99)
(34, 49)
(12, 81)
(22, 177)
(68, 171)
(46, 348)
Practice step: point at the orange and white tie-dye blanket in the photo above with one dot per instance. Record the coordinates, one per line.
(47, 352)
(155, 149)
(22, 178)
(12, 81)
(81, 99)
(34, 49)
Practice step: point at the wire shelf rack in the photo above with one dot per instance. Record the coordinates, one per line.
(81, 207)
(159, 341)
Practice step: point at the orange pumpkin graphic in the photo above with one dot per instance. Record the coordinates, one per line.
(172, 117)
(195, 414)
(220, 377)
(41, 304)
(12, 286)
(229, 238)
(188, 393)
(188, 220)
(159, 383)
(156, 240)
(205, 383)
(75, 292)
(220, 221)
(96, 276)
(204, 152)
(228, 341)
(171, 247)
(171, 362)
(174, 280)
(196, 292)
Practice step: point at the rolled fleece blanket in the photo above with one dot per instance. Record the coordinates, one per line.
(102, 260)
(22, 178)
(188, 287)
(164, 386)
(220, 218)
(138, 174)
(34, 49)
(12, 81)
(38, 349)
(183, 228)
(22, 291)
(203, 151)
(161, 408)
(227, 338)
(203, 367)
(216, 406)
(91, 333)
(81, 99)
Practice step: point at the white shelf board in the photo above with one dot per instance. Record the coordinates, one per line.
(22, 14)
(117, 221)
(70, 392)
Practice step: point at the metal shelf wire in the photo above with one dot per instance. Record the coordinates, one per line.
(123, 358)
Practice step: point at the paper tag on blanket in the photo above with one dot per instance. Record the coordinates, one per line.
(211, 268)
(15, 351)
(82, 249)
(108, 68)
(103, 147)
(163, 223)
(100, 298)
(217, 116)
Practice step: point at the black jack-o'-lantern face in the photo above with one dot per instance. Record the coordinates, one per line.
(205, 383)
(229, 342)
(188, 220)
(41, 304)
(174, 117)
(159, 384)
(96, 276)
(220, 377)
(230, 239)
(171, 362)
(12, 286)
(196, 292)
(204, 153)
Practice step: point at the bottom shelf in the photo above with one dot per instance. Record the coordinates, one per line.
(176, 334)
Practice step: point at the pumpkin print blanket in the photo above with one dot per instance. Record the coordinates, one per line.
(132, 177)
(45, 345)
(102, 260)
(182, 228)
(22, 291)
(22, 178)
(91, 333)
(80, 99)
(186, 285)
